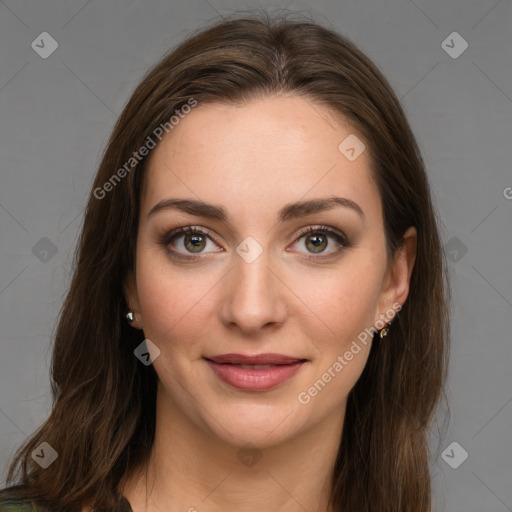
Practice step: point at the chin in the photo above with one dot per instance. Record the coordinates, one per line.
(261, 426)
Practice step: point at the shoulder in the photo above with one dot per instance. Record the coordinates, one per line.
(12, 504)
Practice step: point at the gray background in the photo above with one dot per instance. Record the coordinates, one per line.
(56, 114)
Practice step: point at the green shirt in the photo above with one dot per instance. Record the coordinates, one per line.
(11, 504)
(18, 505)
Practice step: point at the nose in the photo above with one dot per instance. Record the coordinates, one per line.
(254, 296)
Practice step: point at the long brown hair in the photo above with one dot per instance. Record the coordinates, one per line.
(103, 416)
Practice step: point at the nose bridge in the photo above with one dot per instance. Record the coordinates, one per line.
(253, 297)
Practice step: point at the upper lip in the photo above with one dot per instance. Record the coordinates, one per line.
(256, 359)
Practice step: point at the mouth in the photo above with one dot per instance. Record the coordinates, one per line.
(254, 373)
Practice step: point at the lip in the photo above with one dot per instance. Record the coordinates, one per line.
(227, 368)
(267, 358)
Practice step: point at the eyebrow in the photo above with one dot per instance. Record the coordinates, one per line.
(288, 212)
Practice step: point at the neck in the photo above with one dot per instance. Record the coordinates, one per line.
(192, 470)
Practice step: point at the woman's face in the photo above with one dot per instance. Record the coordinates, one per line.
(251, 283)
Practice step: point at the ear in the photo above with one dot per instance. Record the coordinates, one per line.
(132, 300)
(395, 287)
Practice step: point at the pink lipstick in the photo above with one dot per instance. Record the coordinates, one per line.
(254, 373)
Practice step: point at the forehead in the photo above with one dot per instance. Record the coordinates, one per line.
(260, 154)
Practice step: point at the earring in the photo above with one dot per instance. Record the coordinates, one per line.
(383, 332)
(130, 316)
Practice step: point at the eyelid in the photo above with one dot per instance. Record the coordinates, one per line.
(173, 233)
(321, 228)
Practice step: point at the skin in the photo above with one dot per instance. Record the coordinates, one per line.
(253, 159)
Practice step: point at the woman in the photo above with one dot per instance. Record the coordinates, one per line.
(258, 314)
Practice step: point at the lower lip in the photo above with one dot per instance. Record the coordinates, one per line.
(254, 380)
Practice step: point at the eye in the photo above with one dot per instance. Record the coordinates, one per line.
(316, 240)
(189, 242)
(193, 241)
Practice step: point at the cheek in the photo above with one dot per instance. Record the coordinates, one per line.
(343, 305)
(173, 304)
(343, 302)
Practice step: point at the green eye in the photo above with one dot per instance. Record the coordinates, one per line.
(316, 239)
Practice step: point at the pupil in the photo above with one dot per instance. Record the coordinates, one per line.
(196, 241)
(316, 240)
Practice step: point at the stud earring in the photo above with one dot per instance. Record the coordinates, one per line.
(130, 316)
(383, 332)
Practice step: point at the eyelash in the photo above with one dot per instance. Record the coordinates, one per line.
(339, 237)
